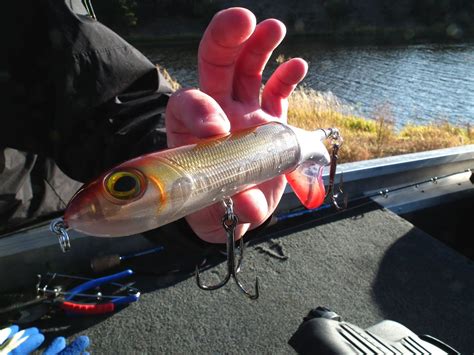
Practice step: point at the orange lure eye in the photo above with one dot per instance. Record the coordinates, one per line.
(125, 185)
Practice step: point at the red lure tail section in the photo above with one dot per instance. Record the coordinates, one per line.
(307, 183)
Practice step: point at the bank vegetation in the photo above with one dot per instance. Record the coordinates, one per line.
(367, 138)
(381, 21)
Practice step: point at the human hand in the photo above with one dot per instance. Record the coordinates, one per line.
(14, 341)
(59, 346)
(232, 55)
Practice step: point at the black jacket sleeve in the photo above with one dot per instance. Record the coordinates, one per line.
(78, 92)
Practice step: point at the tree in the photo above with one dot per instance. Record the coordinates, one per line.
(119, 15)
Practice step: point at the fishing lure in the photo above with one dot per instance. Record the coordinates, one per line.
(158, 188)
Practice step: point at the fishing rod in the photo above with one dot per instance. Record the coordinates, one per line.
(384, 192)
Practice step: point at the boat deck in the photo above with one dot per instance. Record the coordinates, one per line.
(367, 264)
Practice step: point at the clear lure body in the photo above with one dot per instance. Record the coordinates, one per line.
(159, 188)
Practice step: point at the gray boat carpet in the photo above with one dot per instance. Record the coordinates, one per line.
(366, 266)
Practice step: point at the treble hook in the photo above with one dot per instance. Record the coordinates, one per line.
(229, 222)
(336, 144)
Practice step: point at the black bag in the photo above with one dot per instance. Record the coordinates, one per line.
(77, 95)
(78, 92)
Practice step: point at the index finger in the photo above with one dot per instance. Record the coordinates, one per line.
(219, 49)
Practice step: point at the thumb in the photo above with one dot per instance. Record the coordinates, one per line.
(192, 115)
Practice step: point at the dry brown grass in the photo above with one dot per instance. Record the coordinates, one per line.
(175, 85)
(371, 138)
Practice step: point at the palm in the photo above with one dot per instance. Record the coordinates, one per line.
(232, 56)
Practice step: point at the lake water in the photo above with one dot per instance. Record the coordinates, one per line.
(414, 83)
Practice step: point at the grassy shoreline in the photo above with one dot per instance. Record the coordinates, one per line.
(348, 35)
(366, 138)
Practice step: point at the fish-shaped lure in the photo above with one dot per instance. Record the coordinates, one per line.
(159, 188)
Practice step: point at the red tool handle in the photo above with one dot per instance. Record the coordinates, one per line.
(81, 308)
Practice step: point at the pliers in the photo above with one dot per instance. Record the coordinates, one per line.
(92, 296)
(70, 305)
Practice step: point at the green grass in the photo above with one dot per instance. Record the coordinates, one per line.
(371, 138)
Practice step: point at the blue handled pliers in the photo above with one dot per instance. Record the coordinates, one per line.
(78, 300)
(71, 306)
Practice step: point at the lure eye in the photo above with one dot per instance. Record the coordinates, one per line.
(125, 185)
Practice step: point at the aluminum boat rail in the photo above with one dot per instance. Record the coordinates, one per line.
(404, 183)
